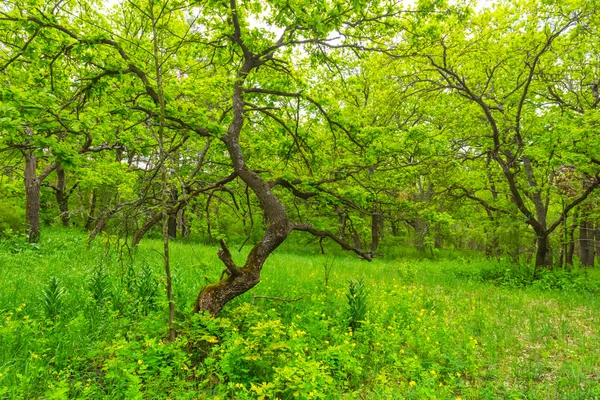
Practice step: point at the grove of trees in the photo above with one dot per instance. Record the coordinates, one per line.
(427, 124)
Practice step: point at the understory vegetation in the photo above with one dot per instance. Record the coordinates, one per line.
(90, 323)
(299, 199)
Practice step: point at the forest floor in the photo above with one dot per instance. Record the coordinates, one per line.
(90, 323)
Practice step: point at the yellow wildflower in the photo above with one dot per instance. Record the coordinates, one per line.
(140, 362)
(412, 383)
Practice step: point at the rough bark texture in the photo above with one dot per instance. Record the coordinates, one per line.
(32, 199)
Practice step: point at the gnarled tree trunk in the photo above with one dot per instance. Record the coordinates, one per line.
(213, 297)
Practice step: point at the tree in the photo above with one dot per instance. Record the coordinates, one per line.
(495, 61)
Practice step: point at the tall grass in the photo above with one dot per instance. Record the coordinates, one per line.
(89, 323)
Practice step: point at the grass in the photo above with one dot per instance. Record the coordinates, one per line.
(89, 323)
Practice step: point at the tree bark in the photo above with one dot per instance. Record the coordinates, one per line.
(586, 241)
(597, 237)
(89, 223)
(32, 198)
(62, 198)
(421, 228)
(172, 221)
(376, 228)
(571, 244)
(543, 254)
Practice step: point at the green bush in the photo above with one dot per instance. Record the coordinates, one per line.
(12, 218)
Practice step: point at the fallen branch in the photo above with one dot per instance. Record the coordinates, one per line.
(275, 298)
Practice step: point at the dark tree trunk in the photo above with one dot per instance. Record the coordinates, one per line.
(394, 227)
(89, 223)
(376, 228)
(62, 198)
(172, 222)
(543, 254)
(32, 199)
(587, 244)
(172, 226)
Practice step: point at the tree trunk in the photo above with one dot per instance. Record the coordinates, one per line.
(597, 236)
(586, 242)
(376, 228)
(89, 223)
(571, 244)
(341, 222)
(172, 226)
(394, 227)
(213, 297)
(182, 223)
(437, 238)
(543, 255)
(172, 222)
(32, 199)
(421, 228)
(61, 196)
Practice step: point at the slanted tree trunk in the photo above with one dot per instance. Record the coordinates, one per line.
(32, 198)
(62, 199)
(213, 297)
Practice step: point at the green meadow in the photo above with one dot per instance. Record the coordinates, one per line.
(90, 323)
